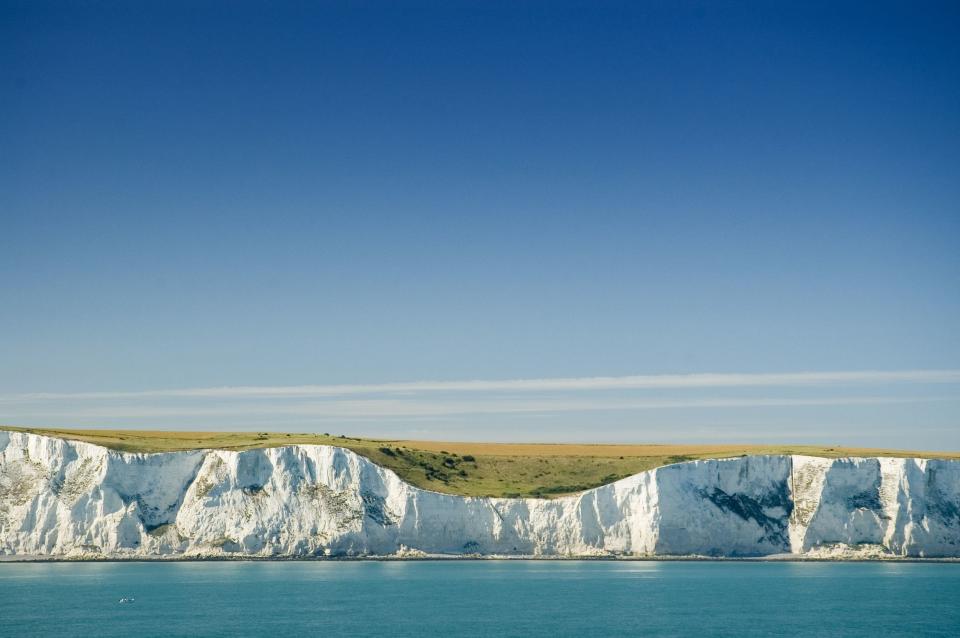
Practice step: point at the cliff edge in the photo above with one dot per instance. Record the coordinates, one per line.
(67, 499)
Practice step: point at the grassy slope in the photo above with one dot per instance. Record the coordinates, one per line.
(498, 469)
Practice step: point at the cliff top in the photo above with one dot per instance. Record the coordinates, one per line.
(472, 469)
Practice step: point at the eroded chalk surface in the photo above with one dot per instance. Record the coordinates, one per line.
(70, 499)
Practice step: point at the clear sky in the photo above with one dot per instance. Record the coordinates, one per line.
(198, 195)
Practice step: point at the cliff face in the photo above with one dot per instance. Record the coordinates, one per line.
(71, 499)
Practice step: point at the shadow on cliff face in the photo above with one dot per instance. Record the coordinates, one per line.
(943, 505)
(735, 507)
(850, 510)
(771, 512)
(375, 508)
(254, 470)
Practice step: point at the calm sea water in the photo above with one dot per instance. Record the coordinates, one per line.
(480, 598)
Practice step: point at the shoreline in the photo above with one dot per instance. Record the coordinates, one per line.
(774, 558)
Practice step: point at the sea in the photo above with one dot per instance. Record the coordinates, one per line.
(480, 598)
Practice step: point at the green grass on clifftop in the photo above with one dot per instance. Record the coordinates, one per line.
(472, 469)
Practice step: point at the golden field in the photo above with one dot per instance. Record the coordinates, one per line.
(472, 469)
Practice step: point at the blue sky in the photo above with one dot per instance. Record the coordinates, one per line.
(195, 196)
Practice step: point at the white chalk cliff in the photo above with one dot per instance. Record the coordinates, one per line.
(68, 499)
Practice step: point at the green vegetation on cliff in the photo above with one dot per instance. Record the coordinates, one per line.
(471, 469)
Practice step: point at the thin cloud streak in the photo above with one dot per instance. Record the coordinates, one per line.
(572, 384)
(392, 409)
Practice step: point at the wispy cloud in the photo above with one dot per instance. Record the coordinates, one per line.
(569, 384)
(395, 409)
(651, 407)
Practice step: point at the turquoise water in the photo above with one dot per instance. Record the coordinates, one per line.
(480, 598)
